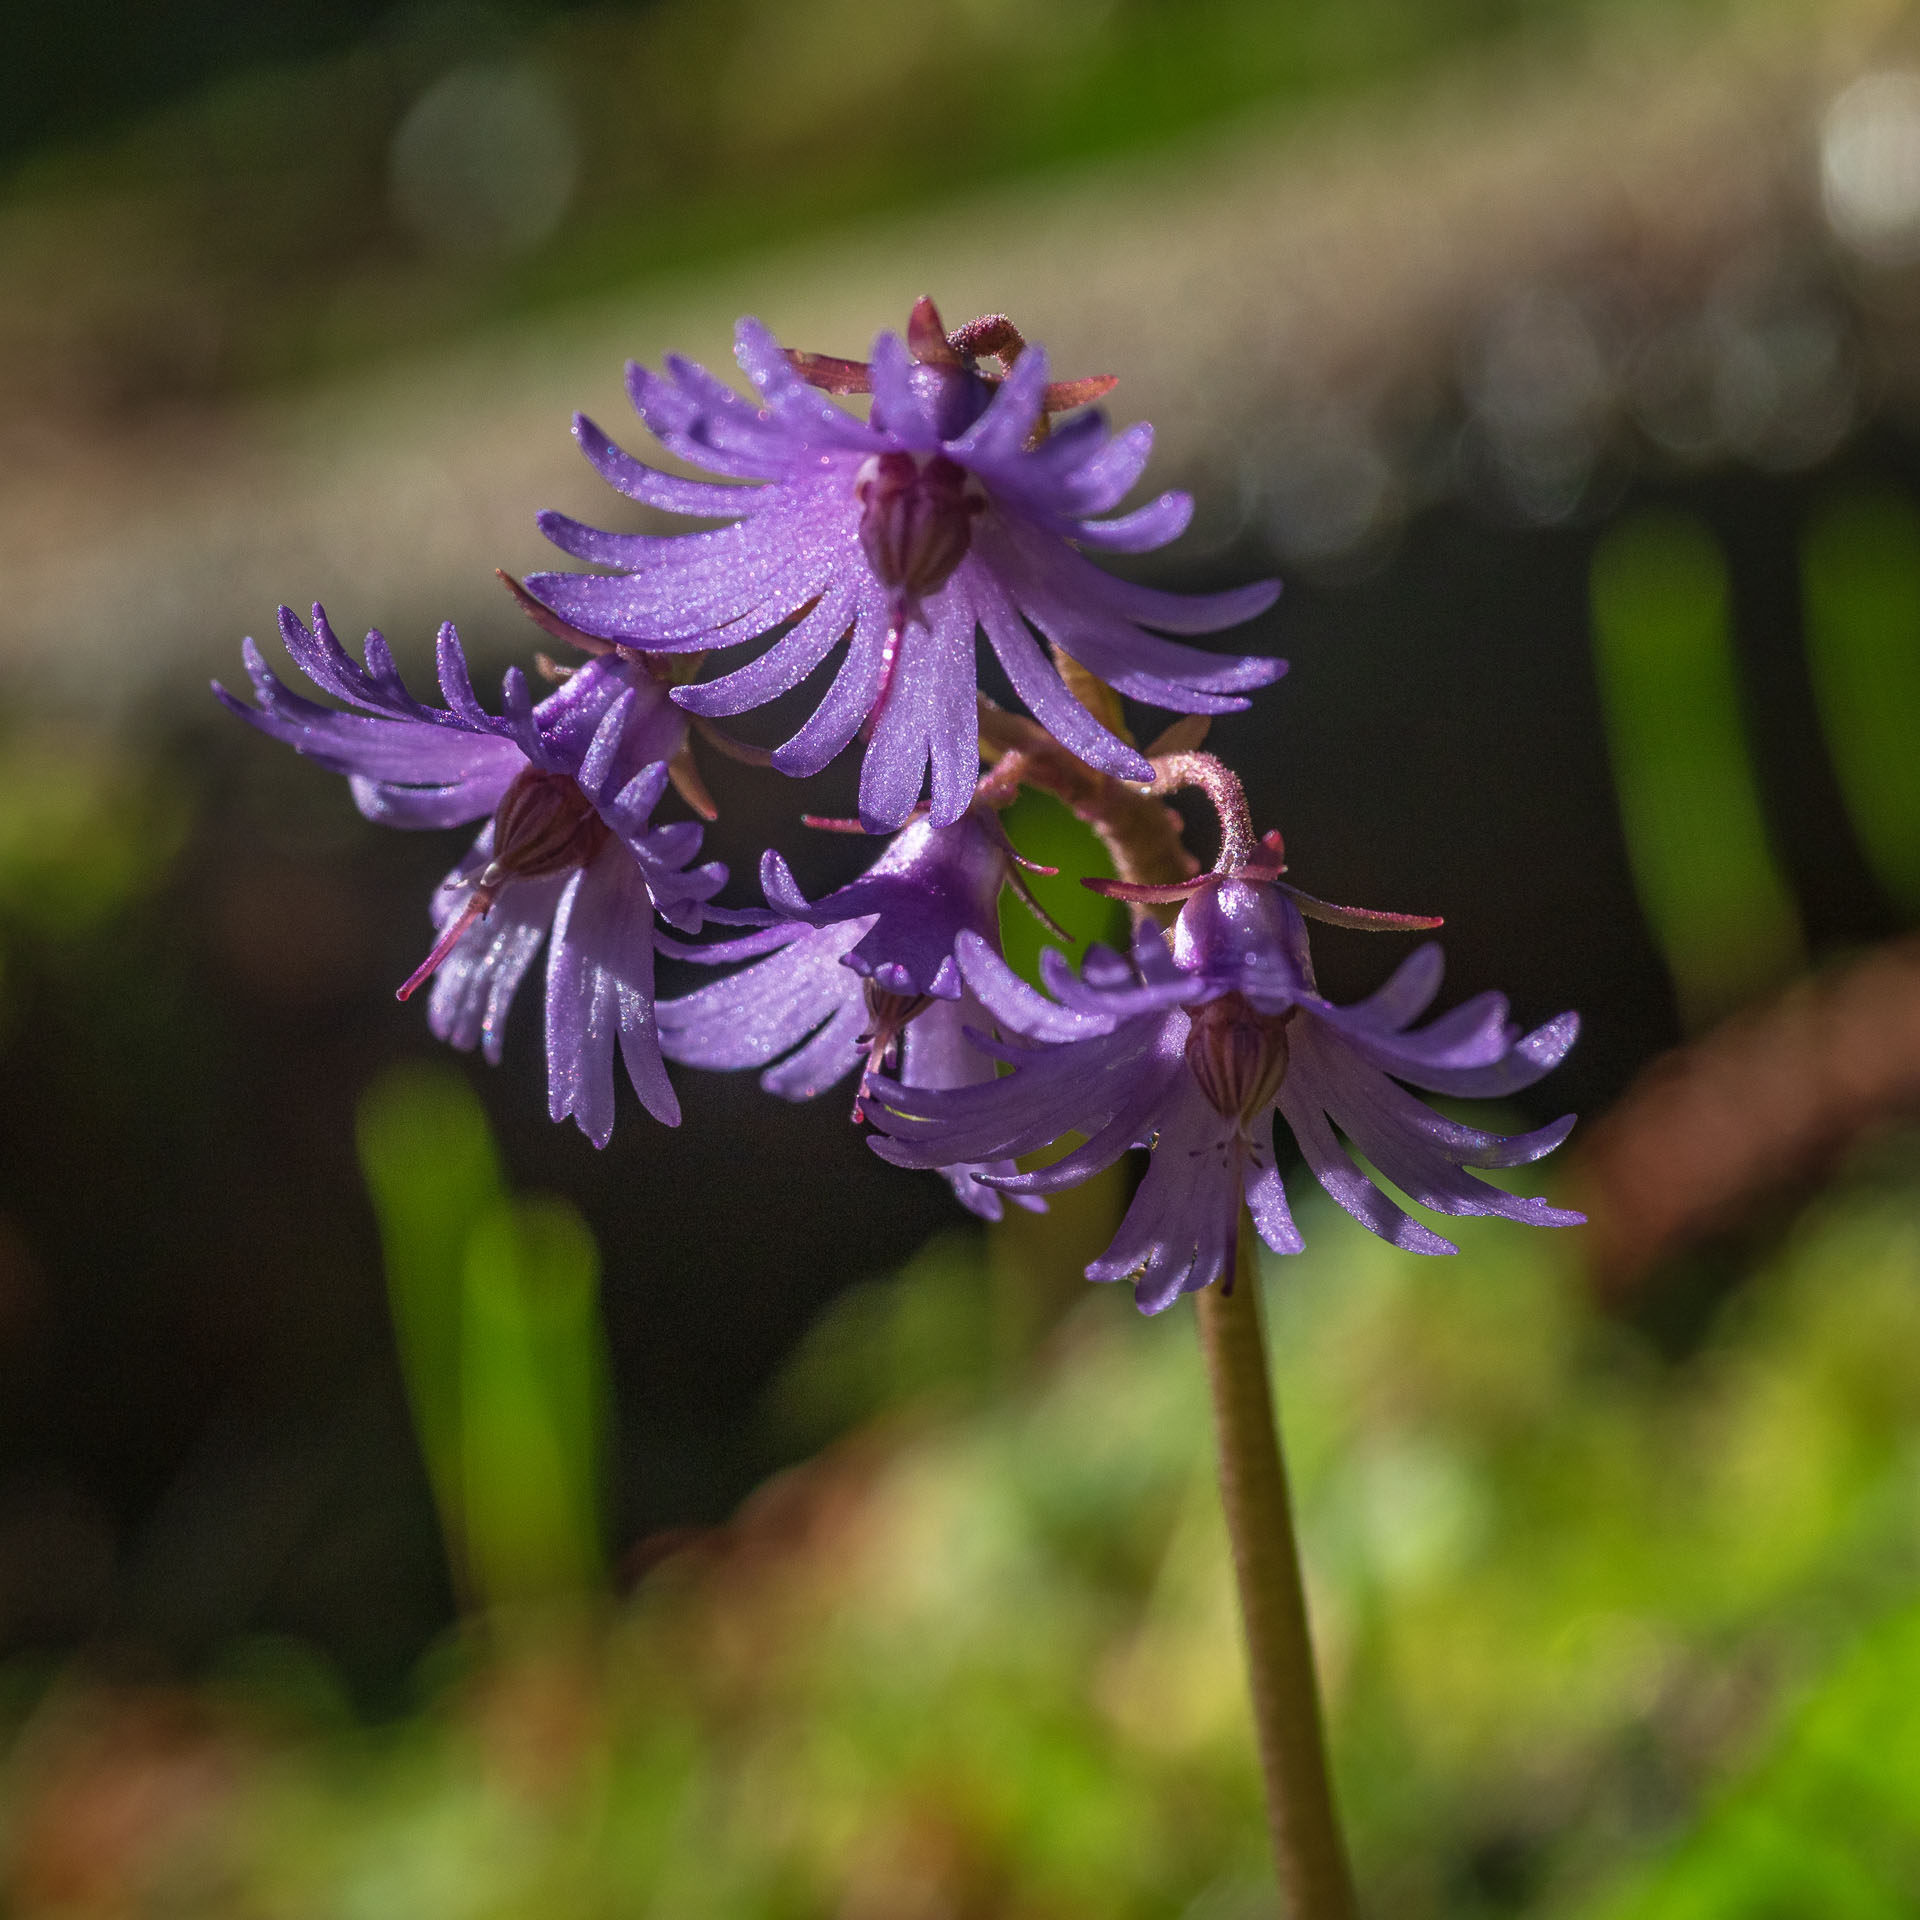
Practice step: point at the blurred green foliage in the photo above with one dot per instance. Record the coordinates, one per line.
(1860, 573)
(495, 1304)
(1705, 870)
(85, 827)
(1829, 1824)
(1599, 1630)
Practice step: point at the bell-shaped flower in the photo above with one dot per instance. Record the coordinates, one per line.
(567, 788)
(862, 978)
(950, 511)
(1192, 1049)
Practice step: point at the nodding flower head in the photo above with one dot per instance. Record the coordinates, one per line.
(862, 980)
(567, 788)
(1193, 1049)
(955, 508)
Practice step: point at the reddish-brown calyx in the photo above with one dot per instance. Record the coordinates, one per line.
(991, 337)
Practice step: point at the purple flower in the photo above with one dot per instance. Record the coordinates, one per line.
(570, 785)
(950, 510)
(864, 976)
(1193, 1050)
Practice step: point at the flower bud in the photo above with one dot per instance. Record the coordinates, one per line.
(1238, 1055)
(916, 519)
(543, 825)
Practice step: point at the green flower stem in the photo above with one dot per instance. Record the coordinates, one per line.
(1315, 1881)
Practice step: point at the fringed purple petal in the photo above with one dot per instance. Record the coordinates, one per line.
(1179, 612)
(1140, 531)
(784, 664)
(732, 427)
(1053, 1090)
(1302, 1106)
(1037, 683)
(1118, 1002)
(782, 890)
(927, 722)
(754, 1016)
(422, 808)
(908, 420)
(1047, 582)
(476, 983)
(1100, 483)
(849, 700)
(827, 1059)
(1422, 1153)
(715, 953)
(935, 1052)
(1000, 433)
(599, 987)
(666, 492)
(1408, 993)
(1531, 1058)
(1014, 1004)
(1267, 1199)
(1134, 1116)
(803, 409)
(680, 423)
(1179, 1234)
(456, 681)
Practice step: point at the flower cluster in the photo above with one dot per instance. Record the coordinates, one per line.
(958, 506)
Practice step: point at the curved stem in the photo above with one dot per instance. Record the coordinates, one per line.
(1315, 1882)
(1221, 785)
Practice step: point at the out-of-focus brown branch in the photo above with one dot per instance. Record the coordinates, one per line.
(1764, 1105)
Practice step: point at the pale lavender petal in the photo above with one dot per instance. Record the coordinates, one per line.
(1179, 1234)
(850, 699)
(1267, 1202)
(599, 992)
(753, 1016)
(1303, 1105)
(784, 664)
(1037, 683)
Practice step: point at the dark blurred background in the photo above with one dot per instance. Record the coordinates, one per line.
(1562, 359)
